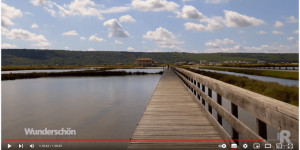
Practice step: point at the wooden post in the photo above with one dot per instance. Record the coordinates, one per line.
(210, 95)
(203, 89)
(219, 101)
(261, 128)
(235, 112)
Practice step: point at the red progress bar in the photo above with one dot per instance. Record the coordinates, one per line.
(134, 140)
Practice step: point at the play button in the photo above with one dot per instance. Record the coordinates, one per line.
(8, 146)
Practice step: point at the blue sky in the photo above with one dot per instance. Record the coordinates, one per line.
(195, 26)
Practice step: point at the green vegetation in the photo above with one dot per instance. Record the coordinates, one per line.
(269, 73)
(13, 76)
(271, 65)
(288, 94)
(27, 57)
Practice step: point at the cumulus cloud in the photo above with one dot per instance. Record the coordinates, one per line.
(9, 13)
(190, 12)
(292, 19)
(118, 9)
(216, 1)
(82, 38)
(7, 45)
(96, 39)
(126, 18)
(231, 19)
(70, 33)
(234, 19)
(163, 38)
(118, 42)
(275, 32)
(38, 2)
(154, 5)
(266, 48)
(290, 38)
(219, 42)
(296, 32)
(20, 34)
(278, 24)
(83, 8)
(261, 32)
(115, 29)
(34, 26)
(130, 49)
(91, 49)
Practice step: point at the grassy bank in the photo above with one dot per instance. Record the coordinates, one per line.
(13, 76)
(270, 73)
(288, 94)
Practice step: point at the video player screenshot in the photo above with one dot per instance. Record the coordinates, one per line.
(150, 75)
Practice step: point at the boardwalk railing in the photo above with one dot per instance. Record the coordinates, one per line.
(267, 111)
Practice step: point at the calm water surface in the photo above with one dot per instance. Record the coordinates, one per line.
(96, 107)
(261, 78)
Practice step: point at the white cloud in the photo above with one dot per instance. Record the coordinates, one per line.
(278, 24)
(38, 2)
(118, 42)
(190, 12)
(219, 42)
(266, 48)
(261, 32)
(70, 33)
(216, 1)
(115, 29)
(292, 19)
(126, 18)
(163, 38)
(290, 38)
(82, 38)
(7, 45)
(212, 25)
(275, 32)
(96, 39)
(91, 49)
(118, 9)
(130, 49)
(67, 48)
(8, 13)
(234, 19)
(154, 5)
(296, 32)
(20, 34)
(34, 26)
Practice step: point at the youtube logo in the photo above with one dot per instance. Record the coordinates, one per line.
(8, 146)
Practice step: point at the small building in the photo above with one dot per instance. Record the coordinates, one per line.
(203, 62)
(261, 62)
(145, 62)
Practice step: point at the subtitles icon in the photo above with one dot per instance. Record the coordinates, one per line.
(8, 146)
(278, 145)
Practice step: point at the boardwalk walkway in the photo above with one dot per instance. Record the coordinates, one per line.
(173, 114)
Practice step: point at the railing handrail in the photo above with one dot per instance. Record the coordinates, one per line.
(277, 114)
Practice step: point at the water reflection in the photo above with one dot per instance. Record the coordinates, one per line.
(96, 107)
(261, 78)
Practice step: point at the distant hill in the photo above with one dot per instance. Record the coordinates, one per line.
(15, 57)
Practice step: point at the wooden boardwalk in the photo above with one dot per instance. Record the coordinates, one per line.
(173, 114)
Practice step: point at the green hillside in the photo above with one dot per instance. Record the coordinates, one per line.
(16, 57)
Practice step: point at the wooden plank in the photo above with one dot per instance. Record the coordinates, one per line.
(173, 114)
